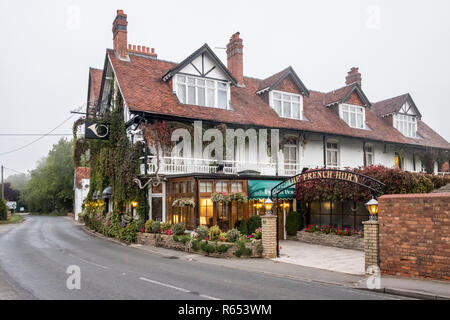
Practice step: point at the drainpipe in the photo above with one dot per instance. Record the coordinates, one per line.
(364, 151)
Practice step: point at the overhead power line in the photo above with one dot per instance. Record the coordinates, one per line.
(36, 140)
(34, 134)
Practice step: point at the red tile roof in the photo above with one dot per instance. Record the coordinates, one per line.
(390, 105)
(81, 173)
(95, 82)
(143, 90)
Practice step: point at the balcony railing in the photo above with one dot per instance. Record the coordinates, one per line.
(180, 165)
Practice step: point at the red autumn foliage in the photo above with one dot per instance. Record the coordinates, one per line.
(396, 181)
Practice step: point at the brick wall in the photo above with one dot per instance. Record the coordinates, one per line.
(415, 235)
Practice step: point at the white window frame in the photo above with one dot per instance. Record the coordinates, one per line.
(406, 124)
(288, 163)
(353, 110)
(371, 153)
(283, 100)
(337, 150)
(216, 88)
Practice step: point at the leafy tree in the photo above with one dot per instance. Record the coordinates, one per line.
(10, 193)
(3, 209)
(51, 184)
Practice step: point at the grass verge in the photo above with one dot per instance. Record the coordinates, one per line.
(15, 218)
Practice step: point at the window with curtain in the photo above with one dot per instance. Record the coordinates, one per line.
(206, 212)
(222, 186)
(290, 156)
(332, 154)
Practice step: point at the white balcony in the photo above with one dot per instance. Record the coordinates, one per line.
(179, 165)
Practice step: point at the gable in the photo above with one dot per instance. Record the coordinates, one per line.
(354, 99)
(204, 66)
(288, 85)
(195, 65)
(409, 109)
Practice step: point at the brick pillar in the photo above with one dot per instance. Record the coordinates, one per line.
(371, 244)
(269, 236)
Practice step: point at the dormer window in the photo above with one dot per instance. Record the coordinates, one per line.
(406, 124)
(353, 115)
(287, 105)
(202, 91)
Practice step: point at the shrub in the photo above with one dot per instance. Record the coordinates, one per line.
(205, 246)
(242, 250)
(175, 238)
(292, 223)
(258, 233)
(202, 232)
(3, 210)
(253, 223)
(233, 235)
(221, 248)
(223, 237)
(156, 226)
(178, 228)
(243, 227)
(165, 226)
(214, 233)
(148, 225)
(129, 232)
(186, 238)
(195, 244)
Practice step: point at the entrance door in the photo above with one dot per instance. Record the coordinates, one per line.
(157, 208)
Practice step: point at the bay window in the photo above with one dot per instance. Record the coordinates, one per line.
(202, 91)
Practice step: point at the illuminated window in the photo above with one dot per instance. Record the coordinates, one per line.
(206, 211)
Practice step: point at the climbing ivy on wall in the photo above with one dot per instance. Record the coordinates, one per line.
(113, 162)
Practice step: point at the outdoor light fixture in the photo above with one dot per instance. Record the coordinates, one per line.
(268, 204)
(134, 204)
(372, 207)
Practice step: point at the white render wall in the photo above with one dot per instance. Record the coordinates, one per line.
(80, 196)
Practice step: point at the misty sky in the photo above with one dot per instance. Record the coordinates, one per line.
(48, 46)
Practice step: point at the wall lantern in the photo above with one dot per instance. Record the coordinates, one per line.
(134, 204)
(268, 204)
(372, 207)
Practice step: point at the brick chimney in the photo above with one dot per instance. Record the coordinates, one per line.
(120, 34)
(235, 58)
(353, 76)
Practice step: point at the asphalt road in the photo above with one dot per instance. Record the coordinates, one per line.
(35, 255)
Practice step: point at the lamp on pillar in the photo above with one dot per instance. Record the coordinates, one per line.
(268, 204)
(372, 207)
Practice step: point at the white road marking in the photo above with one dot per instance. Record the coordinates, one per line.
(176, 288)
(90, 262)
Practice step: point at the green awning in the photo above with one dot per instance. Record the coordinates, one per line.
(260, 189)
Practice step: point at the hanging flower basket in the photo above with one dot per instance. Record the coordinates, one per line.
(218, 197)
(239, 197)
(182, 202)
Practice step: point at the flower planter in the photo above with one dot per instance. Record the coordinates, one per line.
(332, 240)
(167, 241)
